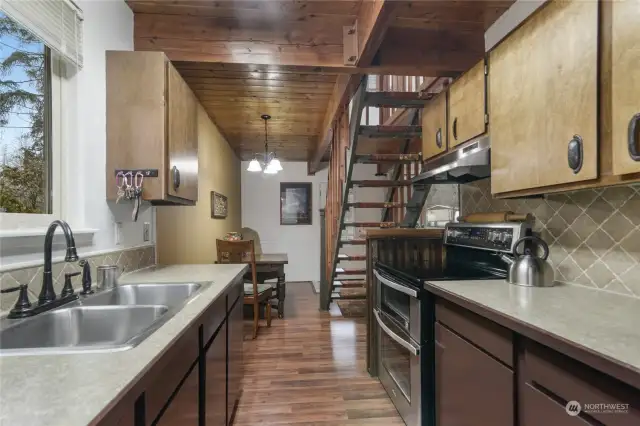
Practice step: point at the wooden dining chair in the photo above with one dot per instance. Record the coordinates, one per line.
(254, 294)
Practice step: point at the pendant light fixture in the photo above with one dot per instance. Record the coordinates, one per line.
(269, 163)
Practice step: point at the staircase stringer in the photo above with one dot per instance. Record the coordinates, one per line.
(357, 107)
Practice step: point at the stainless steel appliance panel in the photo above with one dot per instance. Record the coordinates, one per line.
(399, 360)
(401, 302)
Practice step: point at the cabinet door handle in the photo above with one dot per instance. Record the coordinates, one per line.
(175, 177)
(575, 153)
(634, 137)
(455, 128)
(439, 138)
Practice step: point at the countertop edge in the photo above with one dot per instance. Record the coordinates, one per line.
(601, 362)
(134, 380)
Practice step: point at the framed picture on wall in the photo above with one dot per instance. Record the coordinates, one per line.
(219, 206)
(295, 203)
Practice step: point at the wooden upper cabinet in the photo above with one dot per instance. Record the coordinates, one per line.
(467, 106)
(543, 101)
(434, 127)
(151, 124)
(182, 138)
(625, 79)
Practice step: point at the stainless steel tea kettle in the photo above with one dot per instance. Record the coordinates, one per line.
(527, 269)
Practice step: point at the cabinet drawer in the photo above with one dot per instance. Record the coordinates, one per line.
(538, 409)
(213, 317)
(467, 106)
(571, 380)
(434, 127)
(166, 375)
(493, 338)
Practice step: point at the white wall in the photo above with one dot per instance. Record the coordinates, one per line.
(261, 211)
(108, 25)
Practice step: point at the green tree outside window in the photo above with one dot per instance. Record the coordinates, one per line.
(24, 120)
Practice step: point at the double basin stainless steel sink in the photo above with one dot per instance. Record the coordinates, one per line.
(113, 320)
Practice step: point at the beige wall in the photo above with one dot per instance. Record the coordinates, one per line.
(188, 234)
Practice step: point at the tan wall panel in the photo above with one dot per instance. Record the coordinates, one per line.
(188, 234)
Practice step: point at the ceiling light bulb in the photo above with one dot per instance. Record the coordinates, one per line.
(275, 163)
(270, 170)
(254, 166)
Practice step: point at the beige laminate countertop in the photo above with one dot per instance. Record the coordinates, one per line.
(601, 324)
(78, 389)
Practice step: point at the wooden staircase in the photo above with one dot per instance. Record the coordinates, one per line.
(350, 283)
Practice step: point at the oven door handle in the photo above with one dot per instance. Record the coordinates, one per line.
(401, 288)
(415, 350)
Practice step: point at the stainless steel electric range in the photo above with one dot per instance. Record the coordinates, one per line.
(405, 311)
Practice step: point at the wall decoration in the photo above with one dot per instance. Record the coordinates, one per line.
(219, 206)
(295, 203)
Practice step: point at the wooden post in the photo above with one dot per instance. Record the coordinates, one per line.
(324, 283)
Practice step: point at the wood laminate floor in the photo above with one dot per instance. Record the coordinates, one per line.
(309, 369)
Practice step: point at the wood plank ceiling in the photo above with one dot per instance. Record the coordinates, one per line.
(239, 34)
(235, 100)
(244, 58)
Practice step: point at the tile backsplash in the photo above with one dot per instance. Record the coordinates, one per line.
(128, 260)
(593, 234)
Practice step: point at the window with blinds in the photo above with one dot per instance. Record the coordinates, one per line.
(58, 23)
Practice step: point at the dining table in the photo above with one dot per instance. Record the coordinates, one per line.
(270, 266)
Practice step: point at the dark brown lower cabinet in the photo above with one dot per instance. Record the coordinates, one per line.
(183, 407)
(198, 380)
(235, 364)
(215, 387)
(538, 409)
(123, 414)
(472, 388)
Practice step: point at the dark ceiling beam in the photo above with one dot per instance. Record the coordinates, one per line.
(447, 53)
(371, 25)
(301, 47)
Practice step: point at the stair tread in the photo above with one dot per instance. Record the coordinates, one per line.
(387, 158)
(397, 99)
(353, 242)
(371, 224)
(343, 256)
(381, 183)
(376, 205)
(390, 131)
(350, 271)
(354, 291)
(349, 284)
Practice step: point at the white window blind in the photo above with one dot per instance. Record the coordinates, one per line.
(58, 23)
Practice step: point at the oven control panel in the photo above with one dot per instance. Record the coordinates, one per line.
(495, 237)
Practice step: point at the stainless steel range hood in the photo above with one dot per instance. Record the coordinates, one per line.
(471, 161)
